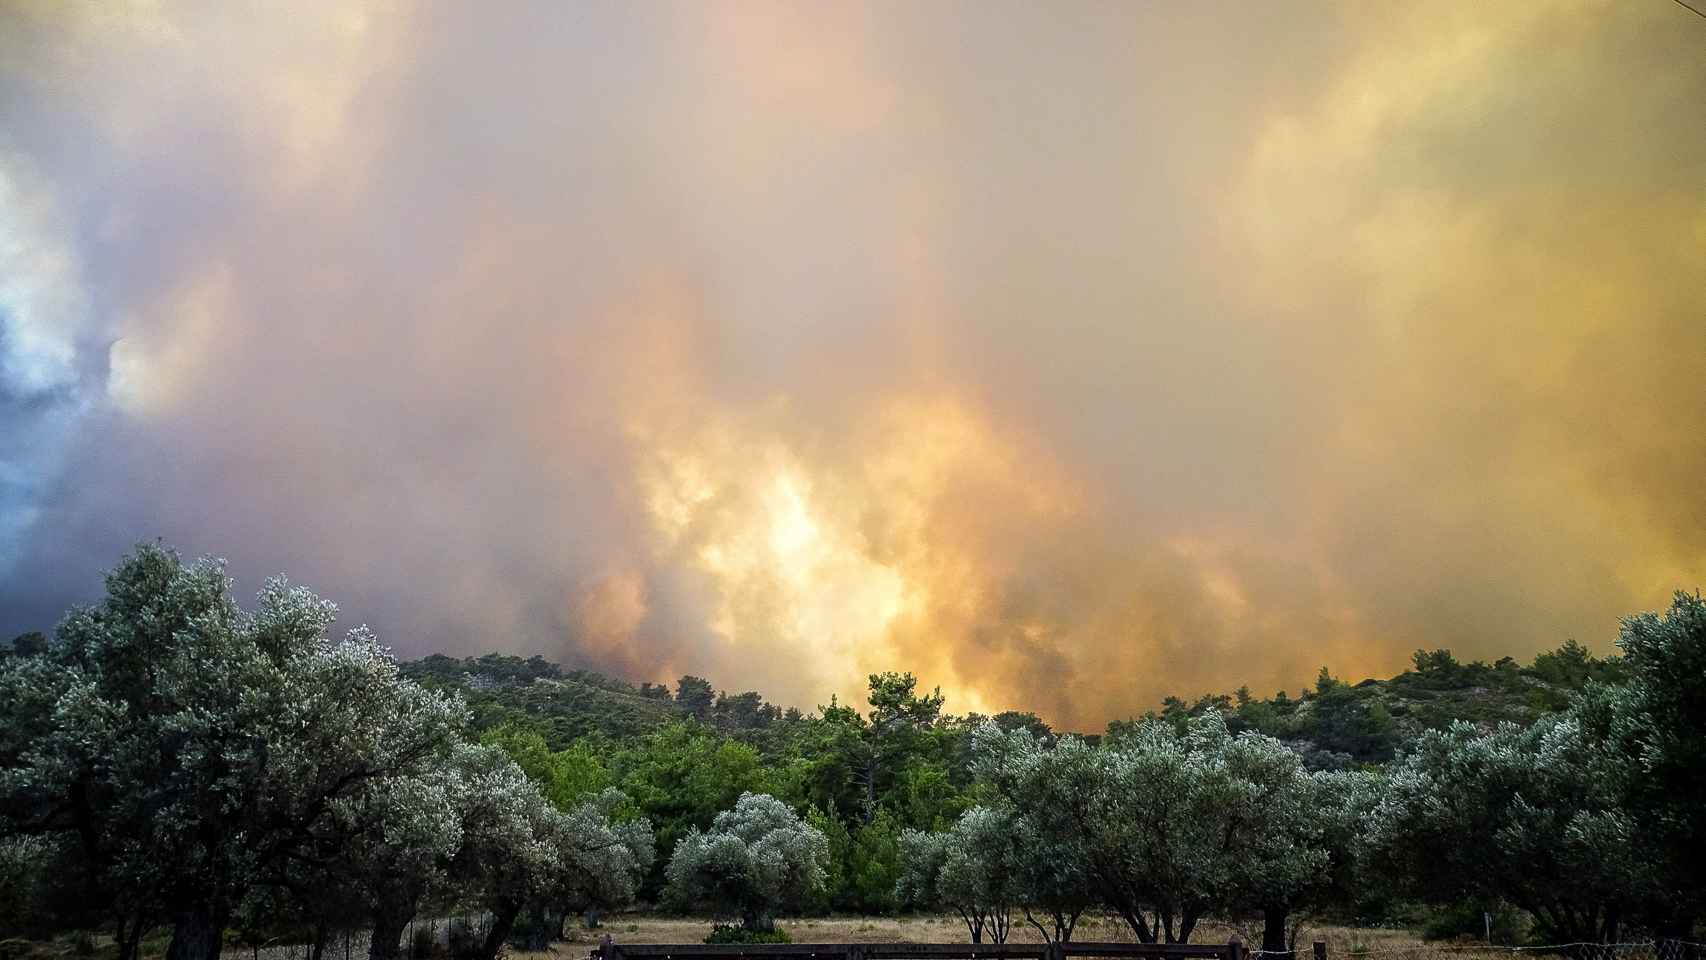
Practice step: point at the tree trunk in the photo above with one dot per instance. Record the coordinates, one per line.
(1063, 922)
(758, 921)
(870, 791)
(1274, 930)
(385, 943)
(198, 933)
(1140, 927)
(538, 932)
(503, 921)
(1609, 930)
(129, 940)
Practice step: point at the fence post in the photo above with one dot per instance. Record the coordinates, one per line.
(1234, 948)
(1320, 950)
(1056, 951)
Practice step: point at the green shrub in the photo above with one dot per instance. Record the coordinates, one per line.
(1465, 921)
(735, 933)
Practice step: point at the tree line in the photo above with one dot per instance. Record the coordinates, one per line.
(169, 759)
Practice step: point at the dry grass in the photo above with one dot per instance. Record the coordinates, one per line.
(652, 928)
(649, 928)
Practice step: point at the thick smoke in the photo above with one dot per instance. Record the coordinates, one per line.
(1067, 356)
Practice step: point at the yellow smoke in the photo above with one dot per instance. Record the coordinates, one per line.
(1066, 361)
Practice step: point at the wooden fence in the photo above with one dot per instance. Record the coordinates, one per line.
(609, 950)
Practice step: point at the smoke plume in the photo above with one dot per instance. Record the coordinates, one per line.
(1067, 356)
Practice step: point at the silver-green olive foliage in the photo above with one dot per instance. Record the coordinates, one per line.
(389, 848)
(192, 747)
(602, 859)
(1528, 815)
(757, 859)
(1588, 820)
(1655, 723)
(616, 854)
(518, 852)
(1292, 847)
(974, 869)
(1163, 825)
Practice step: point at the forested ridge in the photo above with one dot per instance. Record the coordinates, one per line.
(1334, 723)
(172, 761)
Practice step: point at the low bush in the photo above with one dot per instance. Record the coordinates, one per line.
(735, 933)
(1470, 921)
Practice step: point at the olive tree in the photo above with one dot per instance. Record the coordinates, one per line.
(972, 869)
(520, 855)
(1652, 724)
(1162, 824)
(1054, 881)
(508, 858)
(1290, 846)
(187, 749)
(757, 859)
(1502, 815)
(371, 863)
(391, 846)
(604, 858)
(611, 876)
(1344, 800)
(1149, 817)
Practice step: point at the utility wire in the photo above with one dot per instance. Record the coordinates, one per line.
(1693, 10)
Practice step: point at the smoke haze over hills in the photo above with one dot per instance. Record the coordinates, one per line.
(1066, 356)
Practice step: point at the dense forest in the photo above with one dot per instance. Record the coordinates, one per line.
(170, 761)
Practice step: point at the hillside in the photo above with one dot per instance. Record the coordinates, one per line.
(1334, 724)
(563, 704)
(1338, 725)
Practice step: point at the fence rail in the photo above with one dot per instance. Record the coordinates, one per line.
(1666, 949)
(609, 950)
(1091, 950)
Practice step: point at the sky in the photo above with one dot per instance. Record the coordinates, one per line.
(1066, 355)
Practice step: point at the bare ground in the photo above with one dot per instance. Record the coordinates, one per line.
(649, 928)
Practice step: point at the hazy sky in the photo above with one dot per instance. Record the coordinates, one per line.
(1068, 355)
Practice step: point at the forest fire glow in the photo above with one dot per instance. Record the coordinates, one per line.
(833, 568)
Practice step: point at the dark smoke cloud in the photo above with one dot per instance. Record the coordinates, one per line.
(1068, 356)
